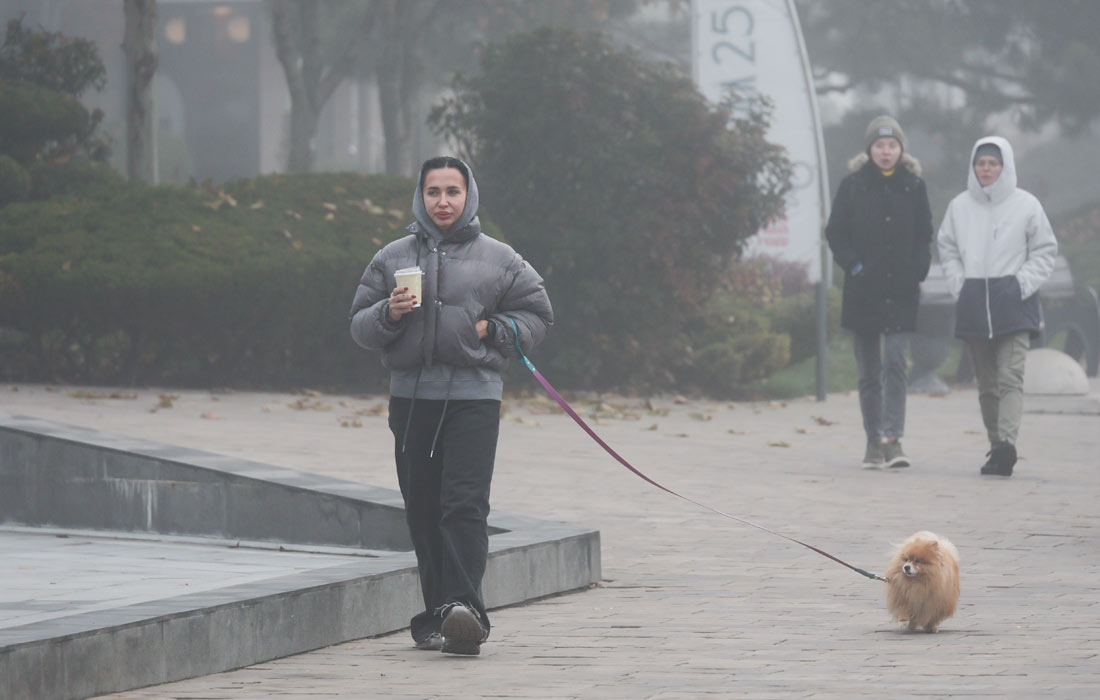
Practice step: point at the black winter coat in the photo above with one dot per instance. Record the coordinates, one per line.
(885, 225)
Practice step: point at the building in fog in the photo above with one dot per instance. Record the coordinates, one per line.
(221, 101)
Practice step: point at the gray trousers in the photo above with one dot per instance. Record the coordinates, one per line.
(882, 383)
(999, 369)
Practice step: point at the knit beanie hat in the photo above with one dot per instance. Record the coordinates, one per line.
(989, 149)
(883, 126)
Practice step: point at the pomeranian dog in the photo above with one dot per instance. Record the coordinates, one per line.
(922, 586)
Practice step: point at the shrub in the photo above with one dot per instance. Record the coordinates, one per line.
(15, 182)
(50, 59)
(732, 346)
(76, 177)
(763, 318)
(38, 122)
(796, 317)
(624, 188)
(42, 75)
(1080, 241)
(245, 286)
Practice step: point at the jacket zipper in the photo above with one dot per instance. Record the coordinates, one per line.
(988, 312)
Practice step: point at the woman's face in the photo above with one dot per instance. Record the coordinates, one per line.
(444, 196)
(988, 169)
(885, 152)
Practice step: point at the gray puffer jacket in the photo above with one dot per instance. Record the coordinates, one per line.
(468, 277)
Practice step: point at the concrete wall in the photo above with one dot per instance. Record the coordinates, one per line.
(63, 476)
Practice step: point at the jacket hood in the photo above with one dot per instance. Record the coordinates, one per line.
(1005, 184)
(907, 161)
(469, 212)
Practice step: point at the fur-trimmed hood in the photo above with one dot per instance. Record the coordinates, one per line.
(907, 161)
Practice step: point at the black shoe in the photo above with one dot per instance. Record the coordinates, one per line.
(463, 632)
(873, 458)
(433, 642)
(1001, 459)
(893, 455)
(990, 463)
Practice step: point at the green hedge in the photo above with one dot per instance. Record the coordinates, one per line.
(79, 177)
(15, 181)
(246, 286)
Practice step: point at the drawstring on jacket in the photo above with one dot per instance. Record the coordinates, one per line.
(438, 427)
(442, 415)
(409, 418)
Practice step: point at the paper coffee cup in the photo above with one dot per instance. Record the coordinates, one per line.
(410, 277)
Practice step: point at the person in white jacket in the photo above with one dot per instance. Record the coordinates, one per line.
(997, 248)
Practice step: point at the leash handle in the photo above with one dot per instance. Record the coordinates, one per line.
(619, 458)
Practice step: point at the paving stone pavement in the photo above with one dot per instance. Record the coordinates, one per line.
(692, 605)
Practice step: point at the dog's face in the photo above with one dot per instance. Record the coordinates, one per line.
(919, 557)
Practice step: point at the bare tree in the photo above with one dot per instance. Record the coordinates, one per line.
(314, 66)
(404, 45)
(398, 75)
(425, 42)
(139, 46)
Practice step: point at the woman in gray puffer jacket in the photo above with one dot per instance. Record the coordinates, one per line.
(445, 353)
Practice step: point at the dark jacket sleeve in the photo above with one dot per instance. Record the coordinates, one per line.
(923, 233)
(838, 231)
(370, 323)
(526, 301)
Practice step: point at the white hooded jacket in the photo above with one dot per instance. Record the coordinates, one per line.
(996, 249)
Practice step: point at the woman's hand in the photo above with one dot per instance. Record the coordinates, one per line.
(401, 303)
(482, 329)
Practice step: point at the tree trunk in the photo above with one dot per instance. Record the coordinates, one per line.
(139, 46)
(394, 121)
(303, 127)
(295, 24)
(399, 78)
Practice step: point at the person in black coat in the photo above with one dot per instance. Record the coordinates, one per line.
(880, 233)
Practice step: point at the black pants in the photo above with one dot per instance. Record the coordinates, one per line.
(446, 498)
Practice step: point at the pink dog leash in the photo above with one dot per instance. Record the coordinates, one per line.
(618, 458)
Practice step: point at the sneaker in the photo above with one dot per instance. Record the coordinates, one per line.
(873, 457)
(1002, 458)
(990, 465)
(893, 454)
(433, 642)
(463, 632)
